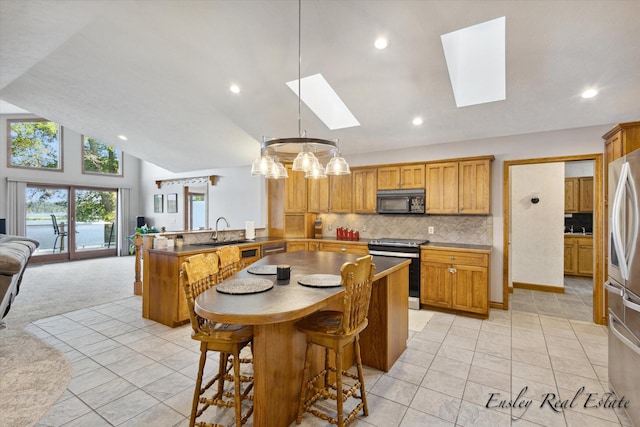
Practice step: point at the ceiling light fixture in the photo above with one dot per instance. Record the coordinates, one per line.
(589, 93)
(417, 121)
(302, 150)
(122, 137)
(381, 43)
(234, 88)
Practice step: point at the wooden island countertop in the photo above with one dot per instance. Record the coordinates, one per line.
(279, 348)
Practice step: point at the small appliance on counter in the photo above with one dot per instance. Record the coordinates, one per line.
(249, 230)
(318, 228)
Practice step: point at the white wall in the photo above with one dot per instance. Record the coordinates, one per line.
(578, 168)
(537, 229)
(236, 195)
(72, 173)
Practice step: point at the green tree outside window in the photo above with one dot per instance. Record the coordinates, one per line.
(101, 158)
(35, 144)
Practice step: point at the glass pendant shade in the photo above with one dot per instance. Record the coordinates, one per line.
(338, 166)
(277, 171)
(305, 161)
(316, 172)
(261, 166)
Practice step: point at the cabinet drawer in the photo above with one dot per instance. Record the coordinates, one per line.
(345, 248)
(455, 257)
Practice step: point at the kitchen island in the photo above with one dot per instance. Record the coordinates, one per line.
(279, 348)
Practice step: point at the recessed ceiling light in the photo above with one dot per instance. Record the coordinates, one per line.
(234, 88)
(381, 43)
(417, 121)
(122, 137)
(589, 93)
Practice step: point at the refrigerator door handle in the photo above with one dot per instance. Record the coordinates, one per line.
(632, 195)
(618, 290)
(630, 304)
(615, 223)
(626, 341)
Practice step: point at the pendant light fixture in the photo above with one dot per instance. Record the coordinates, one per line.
(302, 150)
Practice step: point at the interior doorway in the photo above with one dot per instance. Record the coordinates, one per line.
(599, 302)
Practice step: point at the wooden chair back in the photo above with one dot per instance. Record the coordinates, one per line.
(199, 273)
(356, 278)
(229, 261)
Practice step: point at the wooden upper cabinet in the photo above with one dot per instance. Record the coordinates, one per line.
(318, 195)
(401, 177)
(474, 186)
(412, 176)
(585, 200)
(365, 185)
(578, 194)
(571, 194)
(621, 140)
(340, 193)
(459, 187)
(388, 178)
(442, 188)
(295, 190)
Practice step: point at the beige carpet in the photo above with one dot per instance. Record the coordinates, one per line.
(33, 375)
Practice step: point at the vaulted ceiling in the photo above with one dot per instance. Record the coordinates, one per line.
(159, 71)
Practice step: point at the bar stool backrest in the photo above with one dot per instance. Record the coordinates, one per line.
(199, 273)
(356, 278)
(229, 260)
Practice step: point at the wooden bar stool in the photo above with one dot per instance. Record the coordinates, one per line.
(334, 330)
(199, 273)
(229, 261)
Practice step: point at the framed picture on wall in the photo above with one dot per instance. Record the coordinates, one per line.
(158, 203)
(172, 203)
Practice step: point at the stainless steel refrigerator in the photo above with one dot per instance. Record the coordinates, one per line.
(624, 281)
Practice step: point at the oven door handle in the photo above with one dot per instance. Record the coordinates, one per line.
(395, 254)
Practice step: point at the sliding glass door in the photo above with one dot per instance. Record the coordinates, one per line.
(72, 222)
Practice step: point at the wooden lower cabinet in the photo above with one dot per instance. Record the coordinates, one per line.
(249, 255)
(456, 280)
(293, 246)
(167, 303)
(345, 248)
(578, 255)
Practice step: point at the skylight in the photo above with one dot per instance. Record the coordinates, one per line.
(324, 102)
(476, 61)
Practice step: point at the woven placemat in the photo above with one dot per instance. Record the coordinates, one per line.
(244, 286)
(321, 280)
(263, 269)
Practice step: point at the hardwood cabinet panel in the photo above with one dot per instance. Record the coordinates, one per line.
(585, 256)
(340, 194)
(442, 188)
(578, 255)
(412, 176)
(314, 246)
(455, 279)
(318, 195)
(474, 190)
(295, 190)
(469, 290)
(571, 194)
(435, 284)
(388, 178)
(570, 267)
(346, 247)
(365, 185)
(585, 200)
(297, 246)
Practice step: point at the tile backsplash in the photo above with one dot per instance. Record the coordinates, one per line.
(470, 229)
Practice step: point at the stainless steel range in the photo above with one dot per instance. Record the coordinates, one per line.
(403, 248)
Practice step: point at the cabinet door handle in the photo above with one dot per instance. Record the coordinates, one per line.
(343, 249)
(452, 258)
(452, 270)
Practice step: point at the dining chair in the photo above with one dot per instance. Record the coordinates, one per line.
(59, 234)
(199, 274)
(229, 261)
(334, 330)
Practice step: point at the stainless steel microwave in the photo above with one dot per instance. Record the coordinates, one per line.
(400, 201)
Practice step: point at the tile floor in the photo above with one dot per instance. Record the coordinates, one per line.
(129, 371)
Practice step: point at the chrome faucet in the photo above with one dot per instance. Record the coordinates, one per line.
(571, 228)
(215, 234)
(584, 230)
